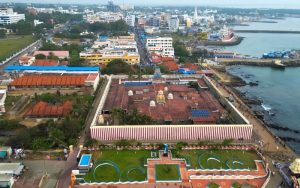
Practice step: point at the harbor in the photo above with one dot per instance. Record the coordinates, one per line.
(260, 62)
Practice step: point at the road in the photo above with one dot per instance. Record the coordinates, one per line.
(16, 58)
(141, 47)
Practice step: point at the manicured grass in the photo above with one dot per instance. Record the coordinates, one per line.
(9, 46)
(167, 172)
(129, 162)
(236, 159)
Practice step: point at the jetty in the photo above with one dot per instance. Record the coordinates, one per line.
(260, 62)
(267, 31)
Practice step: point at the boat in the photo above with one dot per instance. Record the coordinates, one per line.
(278, 64)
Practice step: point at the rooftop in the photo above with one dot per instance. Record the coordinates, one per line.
(55, 53)
(50, 68)
(43, 109)
(176, 102)
(49, 80)
(45, 62)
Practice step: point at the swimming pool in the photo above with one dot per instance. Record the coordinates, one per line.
(85, 160)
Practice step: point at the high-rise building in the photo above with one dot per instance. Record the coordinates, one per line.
(112, 7)
(130, 20)
(174, 24)
(8, 16)
(160, 45)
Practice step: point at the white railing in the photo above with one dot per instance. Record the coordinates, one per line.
(102, 101)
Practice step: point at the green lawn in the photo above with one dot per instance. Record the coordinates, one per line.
(209, 159)
(11, 45)
(167, 172)
(129, 163)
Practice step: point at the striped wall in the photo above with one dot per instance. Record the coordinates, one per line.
(171, 132)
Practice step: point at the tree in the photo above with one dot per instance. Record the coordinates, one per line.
(40, 56)
(22, 27)
(117, 66)
(2, 33)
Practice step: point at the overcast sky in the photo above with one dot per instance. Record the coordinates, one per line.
(294, 4)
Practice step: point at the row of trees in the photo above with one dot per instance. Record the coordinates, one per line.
(133, 117)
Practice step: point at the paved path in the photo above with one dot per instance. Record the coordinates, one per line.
(64, 179)
(166, 160)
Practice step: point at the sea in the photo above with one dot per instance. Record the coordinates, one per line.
(278, 90)
(255, 44)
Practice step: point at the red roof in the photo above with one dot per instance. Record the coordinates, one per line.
(43, 109)
(49, 80)
(191, 66)
(64, 54)
(170, 65)
(45, 62)
(156, 58)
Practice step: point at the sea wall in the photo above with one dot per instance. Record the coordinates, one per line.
(235, 114)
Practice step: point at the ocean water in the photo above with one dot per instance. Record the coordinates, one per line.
(255, 44)
(279, 90)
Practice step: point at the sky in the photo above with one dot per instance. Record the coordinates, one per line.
(293, 4)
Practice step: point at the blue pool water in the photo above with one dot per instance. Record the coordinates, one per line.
(85, 160)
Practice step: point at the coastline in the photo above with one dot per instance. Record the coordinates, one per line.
(258, 62)
(234, 42)
(262, 129)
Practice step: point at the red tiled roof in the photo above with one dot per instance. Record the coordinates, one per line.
(43, 109)
(45, 62)
(49, 80)
(191, 66)
(170, 65)
(55, 53)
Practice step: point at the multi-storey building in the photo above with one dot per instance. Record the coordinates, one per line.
(130, 20)
(174, 24)
(8, 16)
(160, 45)
(103, 57)
(107, 49)
(106, 17)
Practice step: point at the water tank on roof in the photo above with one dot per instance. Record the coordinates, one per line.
(170, 96)
(130, 93)
(152, 104)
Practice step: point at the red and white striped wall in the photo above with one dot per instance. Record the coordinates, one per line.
(171, 132)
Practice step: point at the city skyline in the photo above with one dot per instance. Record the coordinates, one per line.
(288, 4)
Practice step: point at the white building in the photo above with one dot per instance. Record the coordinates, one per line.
(105, 17)
(37, 22)
(8, 16)
(160, 45)
(130, 20)
(174, 24)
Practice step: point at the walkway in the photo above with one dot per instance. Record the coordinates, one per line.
(166, 160)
